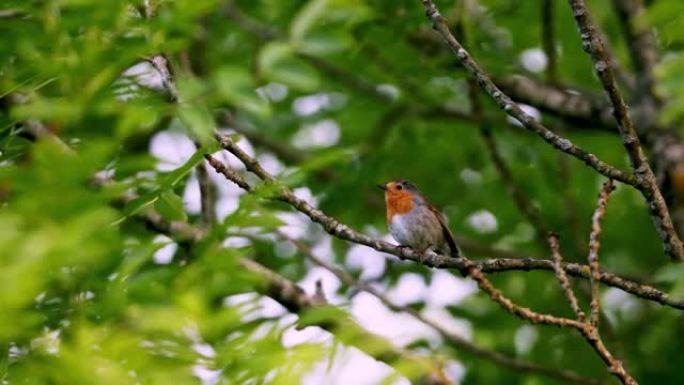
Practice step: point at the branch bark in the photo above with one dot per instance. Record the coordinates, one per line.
(563, 278)
(647, 183)
(594, 246)
(513, 109)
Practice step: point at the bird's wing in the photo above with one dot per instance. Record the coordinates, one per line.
(448, 236)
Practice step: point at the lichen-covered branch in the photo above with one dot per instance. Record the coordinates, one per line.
(548, 38)
(514, 110)
(643, 51)
(594, 246)
(647, 183)
(563, 278)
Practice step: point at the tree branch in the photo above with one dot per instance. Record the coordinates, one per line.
(583, 109)
(643, 51)
(499, 265)
(647, 183)
(563, 278)
(513, 109)
(594, 245)
(548, 38)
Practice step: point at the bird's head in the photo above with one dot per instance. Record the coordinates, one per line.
(399, 195)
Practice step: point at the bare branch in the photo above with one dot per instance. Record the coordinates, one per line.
(11, 13)
(563, 278)
(594, 246)
(498, 265)
(227, 172)
(643, 50)
(207, 195)
(583, 109)
(161, 64)
(594, 46)
(514, 110)
(548, 38)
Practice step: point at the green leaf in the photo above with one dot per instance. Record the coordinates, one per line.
(279, 63)
(198, 120)
(170, 206)
(235, 85)
(322, 315)
(306, 18)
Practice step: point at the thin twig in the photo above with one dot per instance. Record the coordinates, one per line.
(207, 195)
(594, 245)
(11, 13)
(548, 38)
(643, 51)
(563, 278)
(647, 183)
(500, 265)
(514, 110)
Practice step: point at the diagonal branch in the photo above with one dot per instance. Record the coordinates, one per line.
(594, 245)
(563, 278)
(582, 109)
(296, 300)
(647, 183)
(513, 109)
(643, 50)
(548, 37)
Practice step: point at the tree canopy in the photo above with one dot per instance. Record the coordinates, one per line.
(188, 191)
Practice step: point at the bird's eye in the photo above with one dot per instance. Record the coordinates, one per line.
(399, 187)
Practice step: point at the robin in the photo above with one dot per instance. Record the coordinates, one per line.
(414, 222)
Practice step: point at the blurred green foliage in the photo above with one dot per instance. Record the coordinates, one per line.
(82, 299)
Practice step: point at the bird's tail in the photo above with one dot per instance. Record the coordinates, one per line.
(454, 250)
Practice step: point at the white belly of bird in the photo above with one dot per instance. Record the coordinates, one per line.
(400, 229)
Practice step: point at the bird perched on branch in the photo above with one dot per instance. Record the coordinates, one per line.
(414, 222)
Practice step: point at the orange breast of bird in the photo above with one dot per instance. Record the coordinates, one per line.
(398, 203)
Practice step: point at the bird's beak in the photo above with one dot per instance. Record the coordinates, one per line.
(382, 187)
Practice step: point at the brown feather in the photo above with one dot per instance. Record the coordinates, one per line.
(448, 235)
